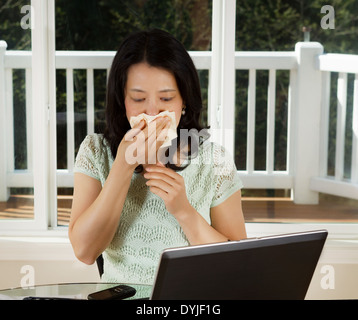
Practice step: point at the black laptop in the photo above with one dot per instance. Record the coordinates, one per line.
(274, 267)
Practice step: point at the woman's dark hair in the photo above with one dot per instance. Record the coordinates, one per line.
(159, 49)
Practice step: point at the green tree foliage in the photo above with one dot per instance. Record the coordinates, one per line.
(102, 25)
(16, 37)
(266, 25)
(276, 25)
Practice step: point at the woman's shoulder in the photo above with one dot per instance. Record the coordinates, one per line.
(95, 144)
(213, 152)
(94, 157)
(93, 140)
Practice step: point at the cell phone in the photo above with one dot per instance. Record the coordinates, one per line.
(116, 293)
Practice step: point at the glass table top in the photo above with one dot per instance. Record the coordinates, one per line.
(70, 291)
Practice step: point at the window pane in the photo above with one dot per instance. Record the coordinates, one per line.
(241, 119)
(15, 24)
(20, 204)
(17, 195)
(20, 125)
(278, 26)
(81, 25)
(261, 119)
(204, 83)
(64, 204)
(332, 125)
(349, 129)
(281, 118)
(61, 122)
(276, 206)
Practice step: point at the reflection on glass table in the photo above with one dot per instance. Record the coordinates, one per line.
(69, 291)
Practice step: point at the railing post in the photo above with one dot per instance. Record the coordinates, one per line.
(4, 190)
(306, 127)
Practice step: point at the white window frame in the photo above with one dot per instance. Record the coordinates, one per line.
(223, 78)
(221, 108)
(43, 111)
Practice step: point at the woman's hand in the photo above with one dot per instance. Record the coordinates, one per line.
(168, 185)
(140, 145)
(227, 220)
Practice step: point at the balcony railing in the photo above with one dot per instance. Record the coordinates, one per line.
(309, 95)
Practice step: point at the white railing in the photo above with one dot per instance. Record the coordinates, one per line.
(70, 60)
(271, 61)
(308, 105)
(343, 64)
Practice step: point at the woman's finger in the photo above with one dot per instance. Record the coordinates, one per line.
(159, 192)
(135, 130)
(161, 176)
(162, 169)
(160, 184)
(158, 128)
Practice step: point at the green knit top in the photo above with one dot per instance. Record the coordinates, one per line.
(145, 227)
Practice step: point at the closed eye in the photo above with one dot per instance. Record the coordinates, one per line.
(138, 100)
(166, 99)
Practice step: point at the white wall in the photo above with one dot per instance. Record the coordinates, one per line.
(53, 262)
(344, 282)
(46, 272)
(50, 259)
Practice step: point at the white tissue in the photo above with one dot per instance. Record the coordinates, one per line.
(172, 131)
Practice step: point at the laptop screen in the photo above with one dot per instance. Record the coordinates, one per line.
(275, 267)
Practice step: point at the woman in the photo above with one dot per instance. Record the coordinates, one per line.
(132, 210)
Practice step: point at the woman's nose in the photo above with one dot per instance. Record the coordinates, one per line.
(152, 108)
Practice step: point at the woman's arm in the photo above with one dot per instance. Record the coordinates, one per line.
(228, 218)
(227, 223)
(95, 210)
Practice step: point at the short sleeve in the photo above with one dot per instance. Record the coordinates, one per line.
(226, 178)
(86, 158)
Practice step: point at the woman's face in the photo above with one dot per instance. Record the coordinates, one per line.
(151, 90)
